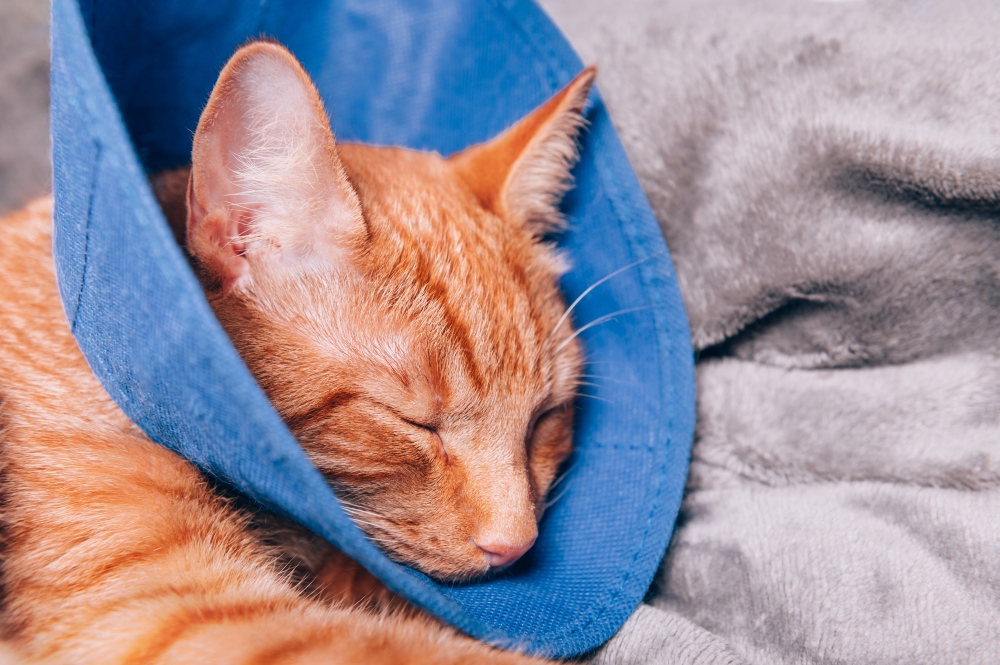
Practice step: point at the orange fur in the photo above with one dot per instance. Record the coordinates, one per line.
(403, 327)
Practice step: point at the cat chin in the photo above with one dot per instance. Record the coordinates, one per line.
(458, 569)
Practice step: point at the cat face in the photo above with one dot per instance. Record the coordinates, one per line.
(399, 309)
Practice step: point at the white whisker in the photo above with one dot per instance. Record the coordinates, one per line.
(591, 288)
(587, 383)
(601, 378)
(551, 502)
(359, 511)
(598, 321)
(374, 525)
(561, 477)
(599, 399)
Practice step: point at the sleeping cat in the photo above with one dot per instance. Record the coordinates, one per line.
(401, 311)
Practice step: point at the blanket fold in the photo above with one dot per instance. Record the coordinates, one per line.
(827, 177)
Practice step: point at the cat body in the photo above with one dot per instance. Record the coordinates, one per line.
(401, 312)
(117, 550)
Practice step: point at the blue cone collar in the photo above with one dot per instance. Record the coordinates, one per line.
(128, 83)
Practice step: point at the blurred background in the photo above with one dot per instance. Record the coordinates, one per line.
(25, 171)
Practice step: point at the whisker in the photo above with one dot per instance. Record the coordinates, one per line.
(551, 502)
(587, 383)
(593, 286)
(601, 378)
(350, 504)
(561, 477)
(599, 399)
(358, 520)
(358, 511)
(375, 525)
(598, 321)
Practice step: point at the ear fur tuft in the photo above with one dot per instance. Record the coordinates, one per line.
(523, 174)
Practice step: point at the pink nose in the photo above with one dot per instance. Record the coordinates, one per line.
(499, 552)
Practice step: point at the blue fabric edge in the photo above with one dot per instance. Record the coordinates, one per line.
(642, 231)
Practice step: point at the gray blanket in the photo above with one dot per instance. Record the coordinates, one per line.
(828, 178)
(24, 101)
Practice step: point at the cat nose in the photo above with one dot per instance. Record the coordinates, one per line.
(500, 551)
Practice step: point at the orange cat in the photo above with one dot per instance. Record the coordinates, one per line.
(399, 309)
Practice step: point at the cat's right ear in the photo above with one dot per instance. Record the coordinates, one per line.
(267, 188)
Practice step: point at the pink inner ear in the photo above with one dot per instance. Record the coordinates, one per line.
(266, 176)
(213, 240)
(212, 231)
(244, 227)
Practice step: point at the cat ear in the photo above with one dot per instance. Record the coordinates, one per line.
(522, 174)
(267, 186)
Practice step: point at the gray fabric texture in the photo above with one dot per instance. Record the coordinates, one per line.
(827, 175)
(24, 101)
(657, 636)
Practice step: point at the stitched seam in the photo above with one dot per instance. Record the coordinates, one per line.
(580, 626)
(96, 161)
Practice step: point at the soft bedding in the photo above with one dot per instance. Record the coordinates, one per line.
(827, 176)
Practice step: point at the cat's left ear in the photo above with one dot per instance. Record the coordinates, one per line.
(522, 174)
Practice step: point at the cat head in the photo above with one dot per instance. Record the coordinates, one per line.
(401, 310)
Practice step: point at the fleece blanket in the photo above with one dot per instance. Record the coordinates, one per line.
(827, 176)
(24, 101)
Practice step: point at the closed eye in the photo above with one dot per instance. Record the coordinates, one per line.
(539, 417)
(428, 429)
(419, 425)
